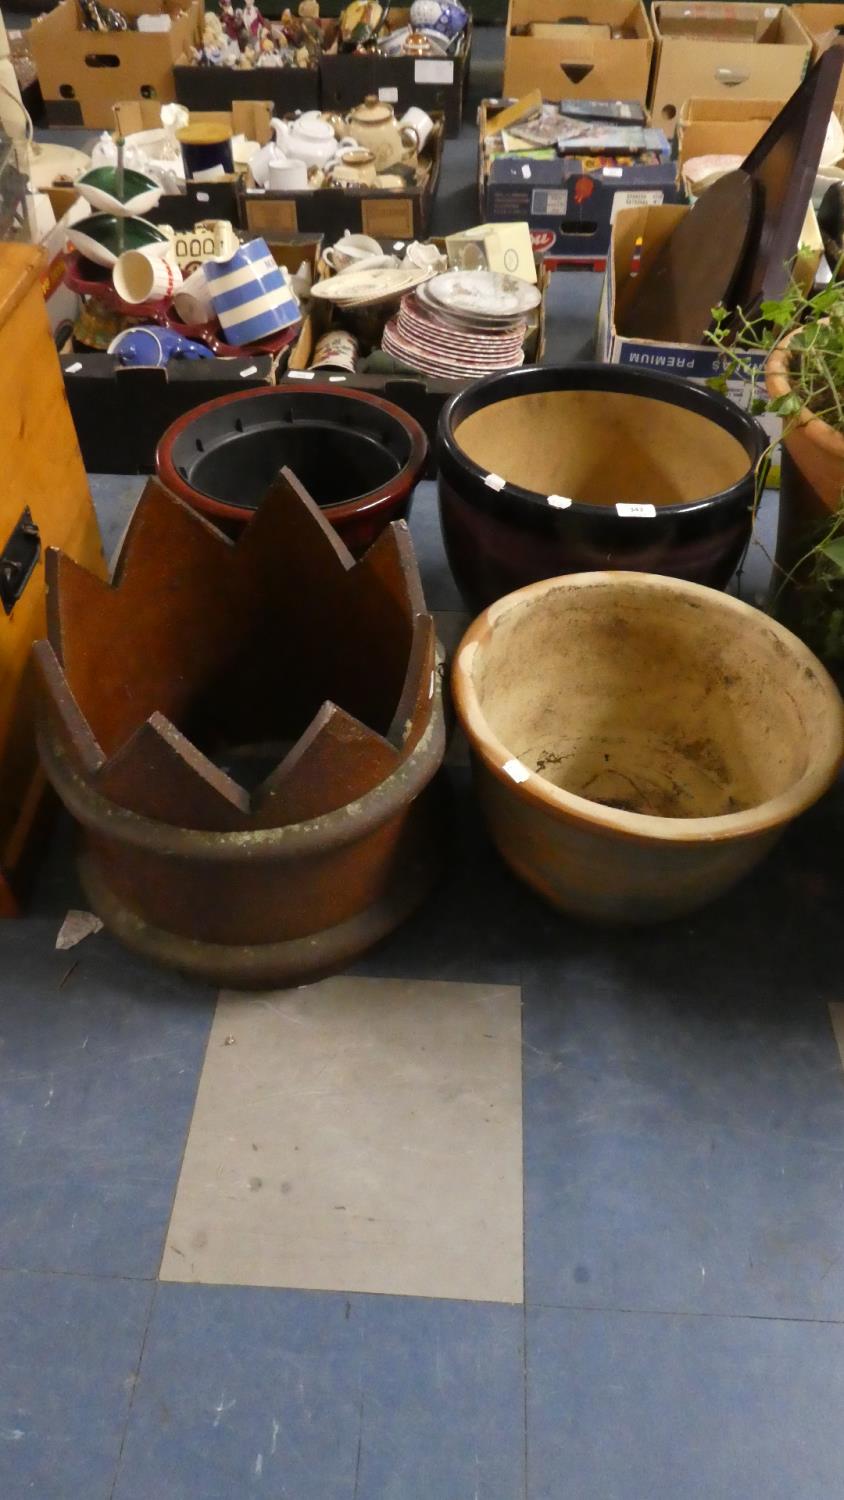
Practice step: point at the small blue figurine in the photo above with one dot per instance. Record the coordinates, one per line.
(155, 346)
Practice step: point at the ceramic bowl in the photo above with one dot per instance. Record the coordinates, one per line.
(358, 456)
(98, 238)
(638, 742)
(99, 187)
(547, 470)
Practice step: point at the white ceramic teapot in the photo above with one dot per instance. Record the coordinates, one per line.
(310, 139)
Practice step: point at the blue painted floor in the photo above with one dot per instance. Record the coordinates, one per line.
(681, 1335)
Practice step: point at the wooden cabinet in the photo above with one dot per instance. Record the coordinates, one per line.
(44, 502)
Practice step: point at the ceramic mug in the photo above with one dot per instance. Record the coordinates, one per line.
(337, 350)
(252, 295)
(138, 277)
(287, 175)
(192, 300)
(415, 119)
(350, 249)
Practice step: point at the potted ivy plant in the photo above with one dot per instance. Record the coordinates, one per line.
(793, 358)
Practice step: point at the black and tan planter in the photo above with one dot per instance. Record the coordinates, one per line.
(549, 470)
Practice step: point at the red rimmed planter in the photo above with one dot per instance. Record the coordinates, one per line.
(551, 470)
(360, 457)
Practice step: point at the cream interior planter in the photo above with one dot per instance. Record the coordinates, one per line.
(639, 743)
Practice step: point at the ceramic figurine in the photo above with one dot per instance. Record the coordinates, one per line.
(360, 23)
(445, 16)
(96, 17)
(227, 17)
(155, 346)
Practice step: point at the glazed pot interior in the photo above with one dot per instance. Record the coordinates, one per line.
(340, 450)
(603, 447)
(652, 700)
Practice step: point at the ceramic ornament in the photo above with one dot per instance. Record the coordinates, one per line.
(444, 16)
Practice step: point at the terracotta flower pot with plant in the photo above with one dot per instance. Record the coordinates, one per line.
(802, 341)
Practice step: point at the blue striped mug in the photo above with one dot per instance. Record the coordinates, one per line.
(252, 296)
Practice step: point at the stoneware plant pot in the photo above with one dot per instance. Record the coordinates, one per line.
(812, 479)
(638, 742)
(247, 733)
(358, 456)
(548, 470)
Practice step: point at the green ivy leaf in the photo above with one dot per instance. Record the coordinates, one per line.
(834, 551)
(785, 406)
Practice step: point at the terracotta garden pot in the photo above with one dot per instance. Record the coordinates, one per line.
(639, 743)
(539, 467)
(248, 734)
(812, 479)
(360, 457)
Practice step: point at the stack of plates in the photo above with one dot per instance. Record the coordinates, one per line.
(462, 324)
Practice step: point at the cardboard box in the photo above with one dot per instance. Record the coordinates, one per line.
(585, 63)
(421, 396)
(698, 362)
(715, 51)
(728, 126)
(819, 21)
(120, 414)
(733, 127)
(331, 211)
(204, 88)
(249, 117)
(82, 72)
(569, 202)
(432, 83)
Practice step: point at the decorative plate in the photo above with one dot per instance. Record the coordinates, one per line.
(487, 294)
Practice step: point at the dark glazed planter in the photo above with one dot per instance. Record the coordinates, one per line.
(360, 457)
(537, 465)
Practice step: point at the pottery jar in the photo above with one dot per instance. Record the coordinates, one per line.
(358, 456)
(547, 470)
(373, 125)
(638, 742)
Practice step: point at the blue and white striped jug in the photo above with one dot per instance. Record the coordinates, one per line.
(252, 296)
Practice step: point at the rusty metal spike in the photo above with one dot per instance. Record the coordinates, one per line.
(59, 707)
(390, 564)
(410, 716)
(70, 587)
(160, 774)
(161, 525)
(290, 521)
(336, 761)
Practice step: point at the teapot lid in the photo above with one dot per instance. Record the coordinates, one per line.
(373, 111)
